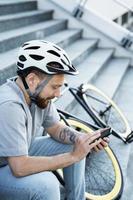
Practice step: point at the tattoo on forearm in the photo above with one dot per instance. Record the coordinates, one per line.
(67, 135)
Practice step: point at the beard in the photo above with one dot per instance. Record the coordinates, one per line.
(42, 102)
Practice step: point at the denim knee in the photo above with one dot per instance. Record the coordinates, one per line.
(46, 189)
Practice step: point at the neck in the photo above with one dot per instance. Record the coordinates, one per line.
(21, 86)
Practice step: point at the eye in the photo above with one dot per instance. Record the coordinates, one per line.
(55, 87)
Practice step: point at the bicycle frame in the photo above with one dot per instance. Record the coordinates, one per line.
(78, 93)
(66, 115)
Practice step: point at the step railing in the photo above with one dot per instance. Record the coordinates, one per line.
(119, 34)
(123, 4)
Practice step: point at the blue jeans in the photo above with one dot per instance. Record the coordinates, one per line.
(44, 185)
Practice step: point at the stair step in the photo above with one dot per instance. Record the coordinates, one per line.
(8, 22)
(80, 49)
(112, 75)
(12, 39)
(124, 96)
(65, 37)
(15, 6)
(92, 65)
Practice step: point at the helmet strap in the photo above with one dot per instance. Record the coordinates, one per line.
(38, 89)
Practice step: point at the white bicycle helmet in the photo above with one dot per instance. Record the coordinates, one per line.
(45, 56)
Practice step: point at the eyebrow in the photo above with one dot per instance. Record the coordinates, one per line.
(56, 85)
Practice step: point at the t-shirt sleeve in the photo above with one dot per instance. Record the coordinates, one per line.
(13, 133)
(51, 116)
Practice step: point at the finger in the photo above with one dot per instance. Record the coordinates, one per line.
(96, 149)
(94, 144)
(100, 146)
(106, 139)
(94, 137)
(104, 143)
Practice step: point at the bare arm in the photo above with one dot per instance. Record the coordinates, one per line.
(26, 165)
(68, 135)
(63, 133)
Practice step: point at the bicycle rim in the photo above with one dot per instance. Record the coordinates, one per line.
(106, 111)
(103, 174)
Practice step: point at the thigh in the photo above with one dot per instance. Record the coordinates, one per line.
(47, 146)
(38, 186)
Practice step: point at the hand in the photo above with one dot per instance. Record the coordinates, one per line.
(84, 144)
(104, 143)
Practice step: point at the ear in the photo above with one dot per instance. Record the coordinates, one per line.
(32, 80)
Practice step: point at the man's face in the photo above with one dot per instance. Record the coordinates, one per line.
(50, 91)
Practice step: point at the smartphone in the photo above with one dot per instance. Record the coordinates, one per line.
(105, 133)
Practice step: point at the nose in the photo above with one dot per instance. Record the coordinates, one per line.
(57, 93)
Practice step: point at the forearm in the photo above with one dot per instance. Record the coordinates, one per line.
(66, 134)
(26, 165)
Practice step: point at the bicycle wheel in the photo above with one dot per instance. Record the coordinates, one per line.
(104, 111)
(103, 175)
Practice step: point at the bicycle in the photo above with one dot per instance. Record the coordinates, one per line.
(101, 183)
(101, 109)
(101, 112)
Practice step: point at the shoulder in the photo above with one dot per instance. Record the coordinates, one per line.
(12, 110)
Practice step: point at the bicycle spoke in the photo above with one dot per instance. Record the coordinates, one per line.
(100, 179)
(98, 100)
(103, 109)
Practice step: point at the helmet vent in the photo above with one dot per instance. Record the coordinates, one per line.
(25, 44)
(53, 66)
(67, 59)
(22, 58)
(44, 42)
(36, 57)
(57, 48)
(54, 53)
(32, 48)
(20, 64)
(64, 62)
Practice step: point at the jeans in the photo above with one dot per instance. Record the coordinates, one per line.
(44, 185)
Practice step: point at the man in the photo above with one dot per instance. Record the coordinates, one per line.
(27, 157)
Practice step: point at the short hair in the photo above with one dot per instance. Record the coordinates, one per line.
(29, 70)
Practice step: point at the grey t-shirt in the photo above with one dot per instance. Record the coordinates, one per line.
(18, 123)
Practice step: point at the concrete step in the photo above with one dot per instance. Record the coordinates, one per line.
(112, 74)
(124, 95)
(12, 39)
(12, 21)
(14, 6)
(7, 65)
(80, 49)
(63, 38)
(88, 69)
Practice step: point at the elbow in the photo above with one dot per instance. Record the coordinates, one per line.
(18, 167)
(17, 171)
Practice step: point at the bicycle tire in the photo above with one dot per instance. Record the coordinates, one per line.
(111, 176)
(105, 112)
